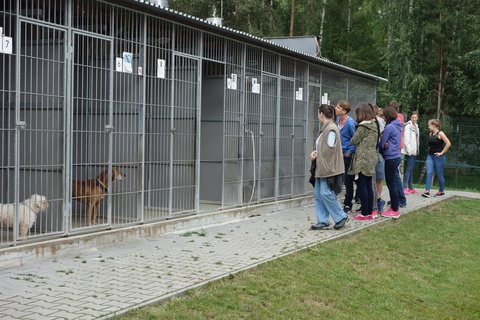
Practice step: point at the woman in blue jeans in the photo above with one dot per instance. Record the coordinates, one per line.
(329, 166)
(410, 150)
(438, 145)
(389, 148)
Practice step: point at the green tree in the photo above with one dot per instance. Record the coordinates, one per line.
(428, 49)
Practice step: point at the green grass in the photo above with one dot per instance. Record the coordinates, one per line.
(425, 265)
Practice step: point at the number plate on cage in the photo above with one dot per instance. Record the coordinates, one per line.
(6, 44)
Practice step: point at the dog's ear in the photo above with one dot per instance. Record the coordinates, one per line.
(28, 201)
(117, 174)
(38, 202)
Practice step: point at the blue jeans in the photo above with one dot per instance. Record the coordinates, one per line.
(408, 174)
(365, 190)
(437, 163)
(392, 176)
(326, 202)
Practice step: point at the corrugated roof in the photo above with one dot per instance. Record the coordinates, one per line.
(147, 6)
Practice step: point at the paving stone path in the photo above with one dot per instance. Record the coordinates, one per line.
(100, 282)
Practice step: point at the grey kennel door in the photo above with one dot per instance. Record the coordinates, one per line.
(184, 136)
(40, 124)
(91, 121)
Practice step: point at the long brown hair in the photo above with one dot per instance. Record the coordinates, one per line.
(364, 112)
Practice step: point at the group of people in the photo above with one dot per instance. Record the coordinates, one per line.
(366, 151)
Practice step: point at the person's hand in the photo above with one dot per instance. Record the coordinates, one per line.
(438, 154)
(313, 155)
(347, 154)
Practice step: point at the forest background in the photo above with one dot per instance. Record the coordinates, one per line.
(428, 50)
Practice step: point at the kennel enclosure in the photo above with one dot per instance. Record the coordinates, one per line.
(197, 117)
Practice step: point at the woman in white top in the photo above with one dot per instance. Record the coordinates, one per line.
(410, 149)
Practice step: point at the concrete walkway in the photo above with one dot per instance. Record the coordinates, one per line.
(103, 281)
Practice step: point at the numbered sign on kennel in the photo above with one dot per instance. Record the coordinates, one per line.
(6, 45)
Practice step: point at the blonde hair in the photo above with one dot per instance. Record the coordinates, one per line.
(435, 122)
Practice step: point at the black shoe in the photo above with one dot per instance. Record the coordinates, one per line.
(320, 226)
(347, 209)
(340, 224)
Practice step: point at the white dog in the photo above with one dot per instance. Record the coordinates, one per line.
(27, 213)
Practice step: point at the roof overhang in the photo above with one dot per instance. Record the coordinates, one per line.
(166, 13)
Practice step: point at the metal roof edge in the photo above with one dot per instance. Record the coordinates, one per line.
(240, 35)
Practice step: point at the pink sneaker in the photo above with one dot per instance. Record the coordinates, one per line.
(395, 214)
(391, 214)
(374, 214)
(362, 218)
(406, 191)
(412, 191)
(386, 213)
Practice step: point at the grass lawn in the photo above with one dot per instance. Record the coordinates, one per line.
(425, 265)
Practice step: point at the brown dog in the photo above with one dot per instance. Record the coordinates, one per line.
(91, 192)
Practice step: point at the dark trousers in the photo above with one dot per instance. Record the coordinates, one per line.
(402, 200)
(348, 183)
(391, 176)
(365, 191)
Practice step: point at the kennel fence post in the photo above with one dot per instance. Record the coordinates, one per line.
(277, 127)
(224, 118)
(140, 215)
(109, 127)
(260, 133)
(172, 129)
(199, 123)
(244, 123)
(16, 192)
(292, 138)
(68, 128)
